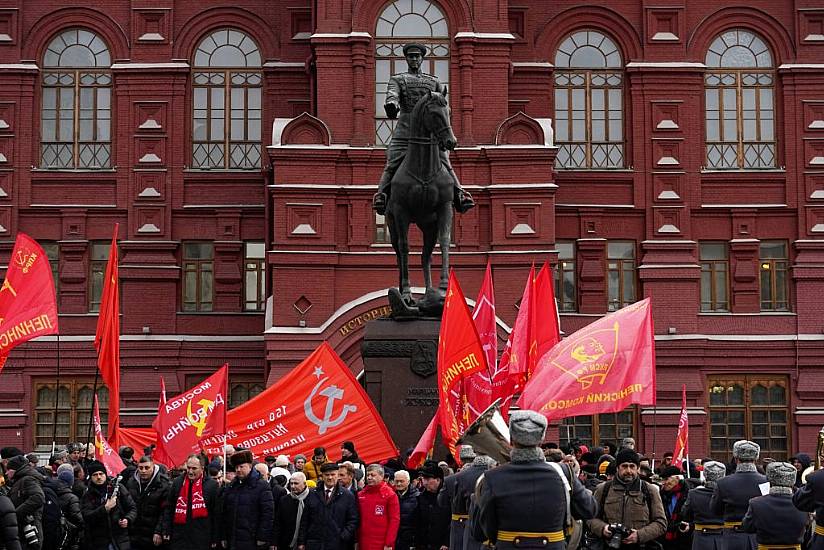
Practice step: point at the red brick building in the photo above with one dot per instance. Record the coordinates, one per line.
(666, 149)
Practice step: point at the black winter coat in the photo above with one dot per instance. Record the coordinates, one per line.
(406, 532)
(102, 527)
(331, 525)
(69, 503)
(150, 499)
(27, 496)
(195, 534)
(9, 538)
(285, 519)
(248, 512)
(431, 522)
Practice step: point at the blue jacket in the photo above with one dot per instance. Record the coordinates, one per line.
(248, 512)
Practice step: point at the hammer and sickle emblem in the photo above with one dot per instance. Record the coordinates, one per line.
(7, 286)
(198, 420)
(331, 393)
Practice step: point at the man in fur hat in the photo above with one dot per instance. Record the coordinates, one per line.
(776, 522)
(248, 507)
(528, 502)
(706, 525)
(733, 493)
(810, 498)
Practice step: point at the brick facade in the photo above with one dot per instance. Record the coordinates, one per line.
(310, 200)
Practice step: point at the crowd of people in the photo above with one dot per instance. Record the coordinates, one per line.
(542, 496)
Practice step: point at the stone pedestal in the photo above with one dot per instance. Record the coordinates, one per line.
(400, 361)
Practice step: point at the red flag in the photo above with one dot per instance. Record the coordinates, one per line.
(139, 438)
(184, 422)
(682, 441)
(423, 449)
(601, 368)
(318, 404)
(459, 355)
(483, 387)
(28, 307)
(544, 332)
(514, 359)
(107, 337)
(102, 450)
(159, 454)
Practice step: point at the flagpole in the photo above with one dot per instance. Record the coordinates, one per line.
(654, 429)
(91, 409)
(56, 398)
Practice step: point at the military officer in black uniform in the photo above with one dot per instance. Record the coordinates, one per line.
(402, 93)
(457, 494)
(733, 493)
(707, 526)
(776, 522)
(527, 503)
(810, 498)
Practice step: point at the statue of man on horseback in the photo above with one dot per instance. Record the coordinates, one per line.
(418, 185)
(402, 93)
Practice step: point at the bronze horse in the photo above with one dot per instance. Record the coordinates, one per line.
(422, 193)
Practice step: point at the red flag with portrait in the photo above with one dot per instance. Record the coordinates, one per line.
(28, 304)
(604, 367)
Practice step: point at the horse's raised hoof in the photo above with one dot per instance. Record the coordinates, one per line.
(464, 202)
(401, 309)
(379, 203)
(431, 304)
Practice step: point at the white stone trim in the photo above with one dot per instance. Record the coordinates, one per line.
(223, 206)
(177, 65)
(285, 64)
(668, 266)
(809, 410)
(596, 205)
(73, 206)
(26, 66)
(692, 411)
(158, 338)
(533, 64)
(742, 337)
(667, 64)
(743, 206)
(801, 66)
(339, 35)
(486, 35)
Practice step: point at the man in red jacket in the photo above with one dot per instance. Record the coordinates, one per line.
(380, 514)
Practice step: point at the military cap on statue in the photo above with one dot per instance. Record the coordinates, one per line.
(527, 428)
(414, 46)
(714, 470)
(746, 450)
(781, 474)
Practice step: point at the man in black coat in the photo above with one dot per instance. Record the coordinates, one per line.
(69, 503)
(191, 520)
(27, 496)
(408, 502)
(773, 518)
(291, 516)
(248, 507)
(447, 499)
(9, 536)
(810, 498)
(733, 493)
(705, 524)
(526, 503)
(432, 519)
(149, 488)
(107, 514)
(332, 514)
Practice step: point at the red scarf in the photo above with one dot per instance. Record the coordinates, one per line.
(190, 493)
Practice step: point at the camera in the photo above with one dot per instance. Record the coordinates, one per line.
(619, 533)
(30, 532)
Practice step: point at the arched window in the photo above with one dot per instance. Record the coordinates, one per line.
(589, 103)
(76, 115)
(740, 104)
(226, 102)
(400, 22)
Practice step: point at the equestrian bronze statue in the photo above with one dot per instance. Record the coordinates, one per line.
(418, 184)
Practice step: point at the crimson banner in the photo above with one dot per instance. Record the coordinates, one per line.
(483, 387)
(544, 331)
(604, 367)
(460, 355)
(425, 444)
(107, 337)
(682, 440)
(28, 307)
(318, 404)
(186, 420)
(102, 450)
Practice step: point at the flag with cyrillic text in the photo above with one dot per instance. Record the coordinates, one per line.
(28, 304)
(604, 367)
(102, 450)
(188, 419)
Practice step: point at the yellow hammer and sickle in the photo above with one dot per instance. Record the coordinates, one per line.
(195, 419)
(99, 444)
(7, 286)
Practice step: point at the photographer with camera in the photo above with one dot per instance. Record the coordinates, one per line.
(27, 496)
(108, 512)
(630, 512)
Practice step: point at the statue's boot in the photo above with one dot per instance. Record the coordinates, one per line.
(462, 200)
(380, 198)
